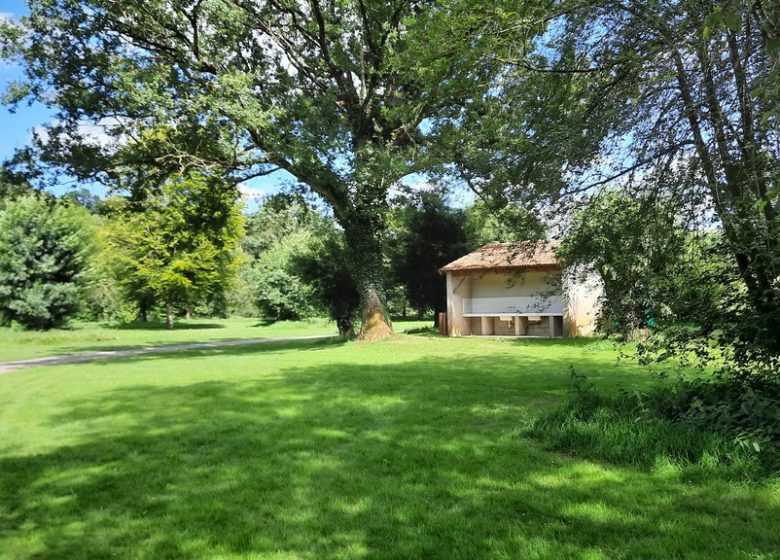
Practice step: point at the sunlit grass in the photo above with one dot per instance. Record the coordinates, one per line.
(416, 447)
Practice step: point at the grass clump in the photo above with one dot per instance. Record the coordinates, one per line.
(705, 427)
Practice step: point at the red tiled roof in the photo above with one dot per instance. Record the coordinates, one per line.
(494, 257)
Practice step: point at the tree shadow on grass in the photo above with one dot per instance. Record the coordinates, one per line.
(160, 326)
(422, 459)
(211, 347)
(423, 331)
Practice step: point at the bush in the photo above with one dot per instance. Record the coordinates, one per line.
(748, 410)
(322, 265)
(44, 255)
(279, 293)
(685, 424)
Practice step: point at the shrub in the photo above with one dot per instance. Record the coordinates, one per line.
(280, 294)
(44, 254)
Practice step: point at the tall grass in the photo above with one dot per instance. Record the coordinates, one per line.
(639, 429)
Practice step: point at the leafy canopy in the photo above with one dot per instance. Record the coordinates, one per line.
(178, 245)
(347, 96)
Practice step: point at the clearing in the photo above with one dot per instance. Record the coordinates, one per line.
(414, 447)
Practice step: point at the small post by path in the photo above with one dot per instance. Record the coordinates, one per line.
(443, 330)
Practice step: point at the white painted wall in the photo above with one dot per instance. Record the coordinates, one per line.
(507, 285)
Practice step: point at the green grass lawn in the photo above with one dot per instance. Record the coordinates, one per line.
(416, 447)
(85, 337)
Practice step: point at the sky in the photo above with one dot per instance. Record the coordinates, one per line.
(15, 128)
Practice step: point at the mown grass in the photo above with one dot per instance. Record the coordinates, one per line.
(415, 447)
(85, 337)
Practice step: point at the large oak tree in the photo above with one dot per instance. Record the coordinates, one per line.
(342, 94)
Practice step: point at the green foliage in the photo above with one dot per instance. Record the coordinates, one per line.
(300, 263)
(45, 248)
(280, 216)
(698, 425)
(283, 227)
(749, 412)
(85, 198)
(508, 223)
(240, 296)
(432, 235)
(279, 292)
(104, 299)
(323, 264)
(12, 186)
(178, 245)
(643, 256)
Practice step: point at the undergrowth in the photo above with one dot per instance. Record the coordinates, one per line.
(700, 427)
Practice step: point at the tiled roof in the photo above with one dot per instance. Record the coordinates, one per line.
(524, 255)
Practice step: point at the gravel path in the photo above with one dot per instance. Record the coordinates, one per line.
(8, 367)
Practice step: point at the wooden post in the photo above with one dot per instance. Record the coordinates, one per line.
(443, 327)
(552, 326)
(487, 325)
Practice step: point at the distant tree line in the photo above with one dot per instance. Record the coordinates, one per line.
(185, 247)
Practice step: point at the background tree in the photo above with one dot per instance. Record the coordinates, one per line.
(298, 262)
(85, 198)
(323, 264)
(488, 223)
(12, 186)
(279, 292)
(279, 216)
(44, 255)
(432, 236)
(177, 246)
(335, 93)
(632, 243)
(284, 225)
(667, 97)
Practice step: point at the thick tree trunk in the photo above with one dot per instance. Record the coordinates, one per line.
(375, 323)
(364, 239)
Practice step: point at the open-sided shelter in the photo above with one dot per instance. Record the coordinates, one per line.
(518, 289)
